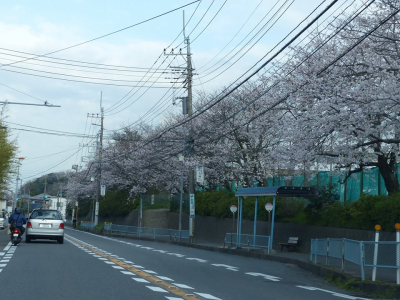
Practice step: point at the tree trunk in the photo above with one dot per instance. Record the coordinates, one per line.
(387, 168)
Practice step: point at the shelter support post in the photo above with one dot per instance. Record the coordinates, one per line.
(271, 240)
(255, 223)
(240, 221)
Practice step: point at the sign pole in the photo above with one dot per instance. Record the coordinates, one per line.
(397, 226)
(272, 225)
(233, 210)
(377, 229)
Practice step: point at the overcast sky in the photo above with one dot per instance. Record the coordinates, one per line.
(41, 27)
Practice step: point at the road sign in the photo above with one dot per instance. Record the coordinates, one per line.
(200, 174)
(233, 208)
(269, 207)
(152, 199)
(192, 206)
(103, 190)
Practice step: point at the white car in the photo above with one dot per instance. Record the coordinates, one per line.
(1, 222)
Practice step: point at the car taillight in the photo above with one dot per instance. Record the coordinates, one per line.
(61, 226)
(29, 225)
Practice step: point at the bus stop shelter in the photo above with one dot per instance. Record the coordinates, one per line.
(281, 191)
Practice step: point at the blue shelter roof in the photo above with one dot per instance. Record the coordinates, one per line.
(283, 191)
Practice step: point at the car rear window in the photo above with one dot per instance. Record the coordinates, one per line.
(46, 214)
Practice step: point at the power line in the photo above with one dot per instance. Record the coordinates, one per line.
(85, 77)
(14, 89)
(213, 103)
(233, 36)
(80, 81)
(350, 19)
(49, 133)
(248, 34)
(210, 21)
(324, 69)
(105, 35)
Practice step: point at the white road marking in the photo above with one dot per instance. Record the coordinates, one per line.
(1, 270)
(173, 298)
(139, 279)
(110, 262)
(161, 251)
(197, 259)
(176, 254)
(139, 267)
(165, 278)
(148, 248)
(183, 286)
(96, 255)
(268, 277)
(2, 253)
(102, 258)
(118, 267)
(128, 273)
(226, 266)
(5, 260)
(150, 272)
(3, 265)
(310, 288)
(208, 296)
(156, 289)
(128, 262)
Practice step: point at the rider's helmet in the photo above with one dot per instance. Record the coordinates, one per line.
(17, 211)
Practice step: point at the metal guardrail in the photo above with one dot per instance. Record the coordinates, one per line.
(248, 240)
(364, 254)
(171, 234)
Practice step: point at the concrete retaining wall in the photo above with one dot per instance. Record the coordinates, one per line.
(213, 230)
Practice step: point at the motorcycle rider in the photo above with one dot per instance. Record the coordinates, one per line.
(18, 219)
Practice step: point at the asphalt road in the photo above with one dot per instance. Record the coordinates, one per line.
(89, 267)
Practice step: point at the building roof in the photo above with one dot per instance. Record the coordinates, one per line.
(282, 191)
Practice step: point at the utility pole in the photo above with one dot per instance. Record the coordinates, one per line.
(45, 191)
(16, 184)
(187, 106)
(100, 152)
(190, 112)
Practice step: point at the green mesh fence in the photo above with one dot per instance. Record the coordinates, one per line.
(153, 201)
(369, 181)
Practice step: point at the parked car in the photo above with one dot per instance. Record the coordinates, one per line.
(2, 222)
(45, 224)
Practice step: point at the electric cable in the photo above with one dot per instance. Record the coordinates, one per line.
(240, 29)
(210, 21)
(350, 19)
(215, 101)
(105, 35)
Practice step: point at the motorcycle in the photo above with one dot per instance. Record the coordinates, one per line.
(15, 236)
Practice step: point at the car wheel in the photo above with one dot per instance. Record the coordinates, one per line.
(60, 240)
(27, 239)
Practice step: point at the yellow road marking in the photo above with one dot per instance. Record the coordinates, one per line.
(153, 279)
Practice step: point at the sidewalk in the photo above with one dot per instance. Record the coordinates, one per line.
(4, 238)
